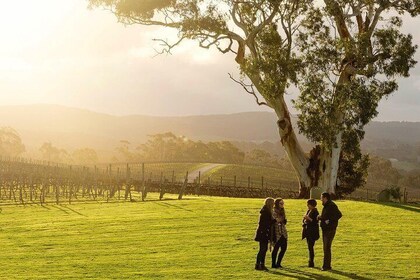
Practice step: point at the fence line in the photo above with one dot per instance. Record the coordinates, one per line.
(27, 181)
(30, 181)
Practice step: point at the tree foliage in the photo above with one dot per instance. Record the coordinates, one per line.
(353, 168)
(52, 153)
(172, 148)
(373, 54)
(10, 142)
(343, 56)
(85, 156)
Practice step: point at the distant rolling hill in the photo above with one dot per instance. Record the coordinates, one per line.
(72, 128)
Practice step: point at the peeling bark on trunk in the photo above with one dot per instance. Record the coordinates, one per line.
(294, 151)
(326, 174)
(320, 169)
(335, 161)
(323, 166)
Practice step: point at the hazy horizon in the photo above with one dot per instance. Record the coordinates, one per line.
(60, 52)
(165, 116)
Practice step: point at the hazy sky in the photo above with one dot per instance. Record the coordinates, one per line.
(60, 52)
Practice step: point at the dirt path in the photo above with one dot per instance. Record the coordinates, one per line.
(206, 168)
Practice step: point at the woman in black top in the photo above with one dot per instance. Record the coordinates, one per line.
(263, 233)
(311, 229)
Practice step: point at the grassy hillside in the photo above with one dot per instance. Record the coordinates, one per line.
(197, 238)
(154, 171)
(273, 177)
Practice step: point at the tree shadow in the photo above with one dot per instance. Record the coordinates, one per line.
(305, 275)
(161, 203)
(43, 206)
(61, 209)
(74, 211)
(409, 207)
(299, 274)
(350, 275)
(163, 199)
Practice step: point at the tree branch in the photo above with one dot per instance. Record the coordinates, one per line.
(167, 47)
(249, 89)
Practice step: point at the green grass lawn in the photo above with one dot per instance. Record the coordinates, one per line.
(197, 238)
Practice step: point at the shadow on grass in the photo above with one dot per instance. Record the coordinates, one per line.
(61, 209)
(163, 199)
(43, 206)
(409, 207)
(350, 275)
(161, 203)
(305, 275)
(74, 211)
(299, 274)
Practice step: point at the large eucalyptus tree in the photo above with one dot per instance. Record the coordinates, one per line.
(342, 56)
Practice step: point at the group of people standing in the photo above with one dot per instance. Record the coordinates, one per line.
(272, 230)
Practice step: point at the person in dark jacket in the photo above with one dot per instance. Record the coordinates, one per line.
(329, 222)
(279, 233)
(263, 233)
(310, 229)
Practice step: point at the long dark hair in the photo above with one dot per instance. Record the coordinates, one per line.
(279, 210)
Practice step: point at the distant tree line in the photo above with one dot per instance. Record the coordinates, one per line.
(82, 156)
(11, 145)
(169, 147)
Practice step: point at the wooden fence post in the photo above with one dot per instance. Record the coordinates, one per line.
(142, 178)
(118, 181)
(95, 182)
(70, 184)
(109, 183)
(173, 178)
(144, 192)
(181, 192)
(57, 192)
(31, 184)
(161, 189)
(127, 183)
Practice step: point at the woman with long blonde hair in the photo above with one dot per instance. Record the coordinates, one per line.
(263, 234)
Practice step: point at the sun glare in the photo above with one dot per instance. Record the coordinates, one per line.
(25, 27)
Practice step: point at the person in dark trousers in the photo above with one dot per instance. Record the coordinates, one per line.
(279, 233)
(329, 222)
(310, 229)
(263, 233)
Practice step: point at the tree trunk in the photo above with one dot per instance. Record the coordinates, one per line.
(324, 172)
(294, 151)
(319, 168)
(323, 164)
